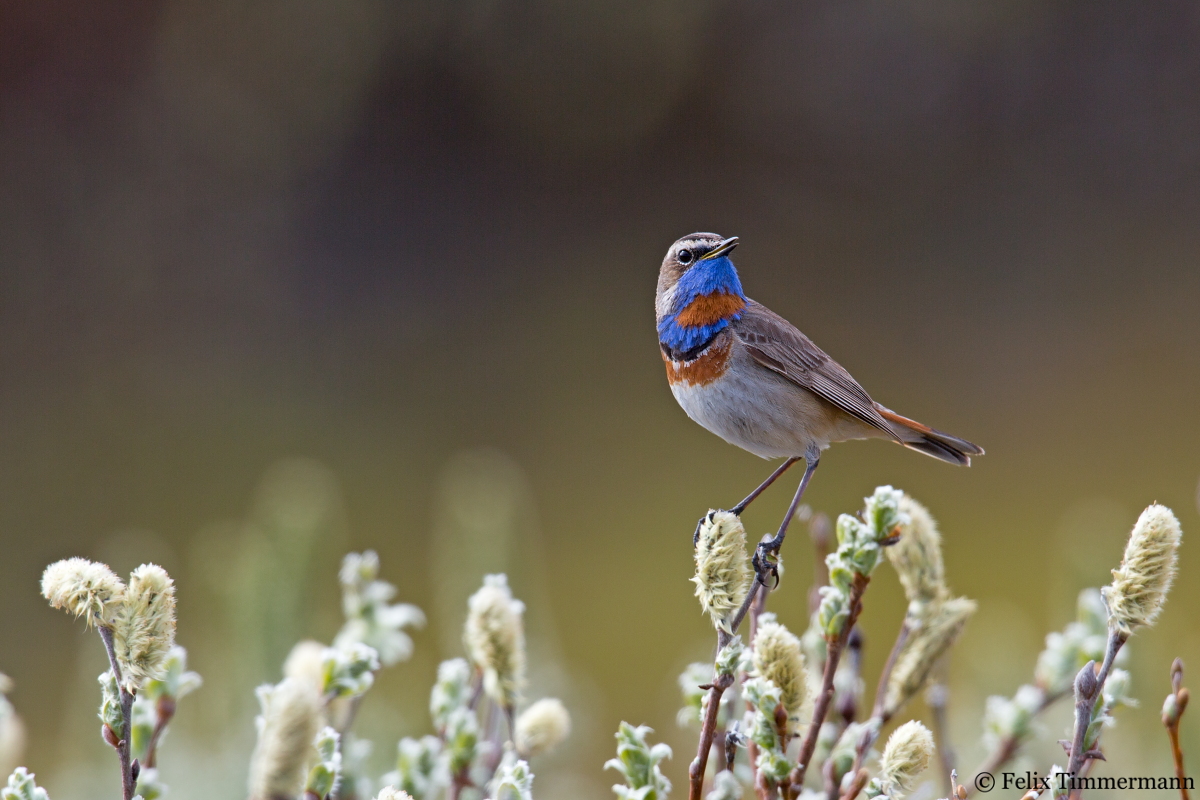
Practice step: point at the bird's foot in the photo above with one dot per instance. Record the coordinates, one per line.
(766, 561)
(736, 511)
(706, 518)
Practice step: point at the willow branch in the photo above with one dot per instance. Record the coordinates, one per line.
(128, 782)
(825, 698)
(820, 530)
(1172, 713)
(1008, 746)
(707, 732)
(847, 707)
(856, 787)
(937, 698)
(880, 713)
(164, 712)
(1088, 689)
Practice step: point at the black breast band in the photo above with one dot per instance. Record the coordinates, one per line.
(675, 354)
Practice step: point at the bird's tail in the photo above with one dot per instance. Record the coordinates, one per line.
(925, 439)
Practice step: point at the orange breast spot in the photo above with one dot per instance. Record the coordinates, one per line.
(704, 368)
(710, 308)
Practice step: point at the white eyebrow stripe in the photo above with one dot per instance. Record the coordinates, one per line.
(704, 245)
(666, 303)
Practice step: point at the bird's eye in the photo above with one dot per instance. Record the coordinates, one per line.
(685, 256)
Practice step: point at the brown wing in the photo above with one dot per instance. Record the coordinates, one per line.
(775, 344)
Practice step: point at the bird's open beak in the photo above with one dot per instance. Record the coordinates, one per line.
(724, 247)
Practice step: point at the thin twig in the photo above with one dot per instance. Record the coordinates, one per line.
(1075, 782)
(820, 530)
(847, 707)
(880, 709)
(758, 605)
(1008, 746)
(459, 782)
(128, 783)
(476, 688)
(164, 712)
(755, 587)
(1086, 691)
(462, 779)
(1171, 720)
(879, 714)
(764, 788)
(957, 790)
(510, 718)
(1177, 753)
(825, 698)
(936, 698)
(860, 781)
(707, 732)
(494, 728)
(753, 606)
(829, 774)
(1086, 694)
(350, 714)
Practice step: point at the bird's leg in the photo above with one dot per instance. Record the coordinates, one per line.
(764, 554)
(762, 487)
(750, 498)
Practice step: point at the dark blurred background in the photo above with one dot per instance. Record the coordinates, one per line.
(379, 273)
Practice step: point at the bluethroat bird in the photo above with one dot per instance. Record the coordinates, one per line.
(749, 376)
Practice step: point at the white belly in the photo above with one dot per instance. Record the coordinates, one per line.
(758, 412)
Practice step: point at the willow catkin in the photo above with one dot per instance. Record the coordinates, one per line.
(1139, 587)
(291, 715)
(930, 637)
(908, 752)
(392, 793)
(778, 657)
(494, 637)
(84, 588)
(144, 628)
(723, 575)
(917, 556)
(542, 727)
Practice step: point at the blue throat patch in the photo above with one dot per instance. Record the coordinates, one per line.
(707, 277)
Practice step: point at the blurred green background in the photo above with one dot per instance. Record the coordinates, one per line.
(283, 278)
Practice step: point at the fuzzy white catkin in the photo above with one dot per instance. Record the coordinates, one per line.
(722, 569)
(84, 588)
(494, 637)
(1139, 587)
(542, 727)
(513, 781)
(917, 556)
(291, 714)
(907, 754)
(12, 731)
(22, 786)
(392, 793)
(12, 743)
(305, 663)
(725, 787)
(779, 658)
(930, 637)
(144, 628)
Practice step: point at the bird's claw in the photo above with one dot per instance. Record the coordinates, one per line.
(706, 518)
(765, 562)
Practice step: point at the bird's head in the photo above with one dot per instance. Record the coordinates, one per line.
(699, 293)
(696, 265)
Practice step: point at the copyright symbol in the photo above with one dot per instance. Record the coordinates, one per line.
(984, 782)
